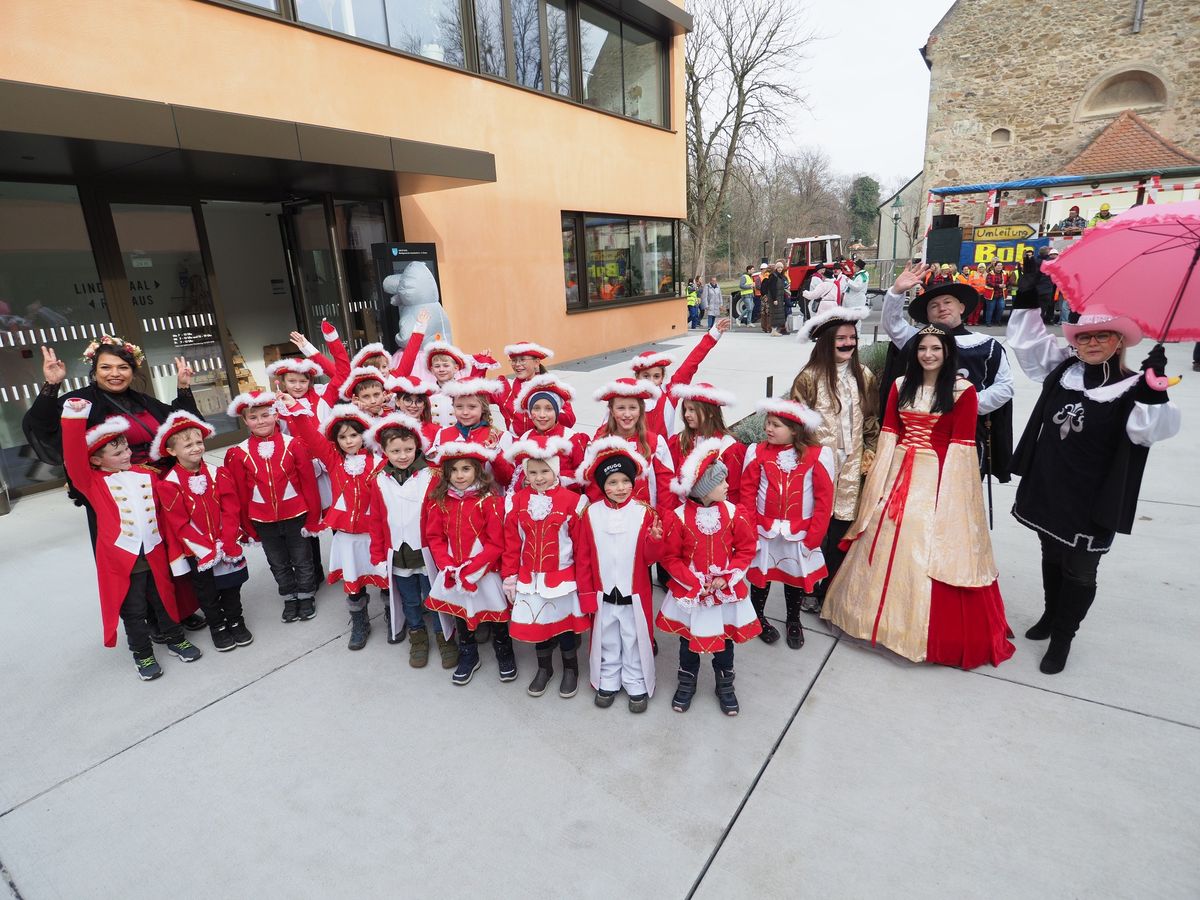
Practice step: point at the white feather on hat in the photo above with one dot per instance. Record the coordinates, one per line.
(637, 388)
(847, 315)
(702, 392)
(547, 383)
(250, 400)
(598, 450)
(689, 469)
(528, 348)
(357, 376)
(341, 413)
(290, 366)
(101, 434)
(367, 352)
(791, 410)
(396, 420)
(180, 420)
(473, 387)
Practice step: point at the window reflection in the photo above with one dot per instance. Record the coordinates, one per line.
(643, 74)
(429, 28)
(570, 261)
(558, 47)
(627, 258)
(600, 58)
(489, 36)
(358, 18)
(527, 43)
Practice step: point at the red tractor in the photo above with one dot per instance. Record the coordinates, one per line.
(806, 255)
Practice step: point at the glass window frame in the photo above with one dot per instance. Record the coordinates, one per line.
(585, 303)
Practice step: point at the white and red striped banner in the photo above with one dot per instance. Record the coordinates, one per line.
(1098, 192)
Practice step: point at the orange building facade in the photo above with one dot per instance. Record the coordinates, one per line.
(204, 176)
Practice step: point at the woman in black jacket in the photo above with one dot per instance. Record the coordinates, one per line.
(777, 298)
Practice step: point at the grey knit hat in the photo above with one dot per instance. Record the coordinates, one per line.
(713, 475)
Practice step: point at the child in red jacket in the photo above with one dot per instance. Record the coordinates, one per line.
(787, 485)
(340, 445)
(199, 504)
(278, 500)
(542, 401)
(132, 567)
(471, 403)
(627, 399)
(528, 361)
(464, 528)
(710, 545)
(702, 418)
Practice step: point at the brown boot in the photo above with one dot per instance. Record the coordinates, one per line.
(449, 651)
(418, 648)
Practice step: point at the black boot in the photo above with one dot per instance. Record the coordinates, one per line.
(1075, 599)
(506, 660)
(682, 700)
(795, 631)
(570, 680)
(1052, 586)
(360, 627)
(725, 695)
(545, 671)
(758, 599)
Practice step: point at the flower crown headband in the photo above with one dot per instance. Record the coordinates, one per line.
(107, 340)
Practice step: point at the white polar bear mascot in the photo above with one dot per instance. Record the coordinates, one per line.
(414, 290)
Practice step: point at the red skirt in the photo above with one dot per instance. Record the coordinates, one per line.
(967, 626)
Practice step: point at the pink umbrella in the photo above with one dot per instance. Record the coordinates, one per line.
(1140, 264)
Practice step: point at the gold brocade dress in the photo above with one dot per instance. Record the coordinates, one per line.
(919, 577)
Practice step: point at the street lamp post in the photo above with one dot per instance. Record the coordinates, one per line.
(896, 207)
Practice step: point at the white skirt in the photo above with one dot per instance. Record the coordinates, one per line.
(536, 618)
(350, 563)
(786, 561)
(486, 603)
(707, 628)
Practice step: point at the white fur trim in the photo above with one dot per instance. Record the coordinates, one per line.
(410, 384)
(528, 348)
(606, 446)
(104, 432)
(367, 352)
(328, 331)
(341, 413)
(639, 389)
(295, 366)
(433, 348)
(178, 421)
(528, 448)
(249, 400)
(473, 387)
(849, 315)
(83, 413)
(396, 420)
(464, 450)
(702, 393)
(546, 383)
(689, 469)
(650, 359)
(788, 409)
(360, 374)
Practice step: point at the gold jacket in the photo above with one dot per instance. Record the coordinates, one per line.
(848, 435)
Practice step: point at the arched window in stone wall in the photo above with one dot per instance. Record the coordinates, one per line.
(1002, 137)
(1134, 89)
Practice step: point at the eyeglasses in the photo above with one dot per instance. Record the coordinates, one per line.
(1095, 337)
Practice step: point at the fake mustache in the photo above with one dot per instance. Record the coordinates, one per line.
(845, 348)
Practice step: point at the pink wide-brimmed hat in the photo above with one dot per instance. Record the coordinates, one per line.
(1099, 319)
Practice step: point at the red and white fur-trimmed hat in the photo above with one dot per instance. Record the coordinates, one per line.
(465, 450)
(637, 388)
(289, 366)
(178, 421)
(396, 420)
(702, 392)
(473, 387)
(835, 317)
(549, 450)
(250, 400)
(344, 412)
(792, 411)
(410, 384)
(695, 464)
(443, 348)
(648, 359)
(544, 384)
(360, 375)
(110, 429)
(360, 358)
(601, 449)
(528, 348)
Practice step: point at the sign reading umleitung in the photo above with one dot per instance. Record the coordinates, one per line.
(1004, 232)
(999, 243)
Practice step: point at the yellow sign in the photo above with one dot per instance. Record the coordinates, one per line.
(989, 252)
(1002, 232)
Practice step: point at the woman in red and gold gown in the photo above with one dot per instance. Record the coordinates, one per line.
(919, 576)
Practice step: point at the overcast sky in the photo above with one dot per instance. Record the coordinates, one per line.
(867, 86)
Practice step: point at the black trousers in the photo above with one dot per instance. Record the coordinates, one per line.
(218, 605)
(289, 557)
(141, 603)
(1075, 564)
(567, 641)
(833, 556)
(689, 659)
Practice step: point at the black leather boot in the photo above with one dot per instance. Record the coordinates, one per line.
(545, 671)
(1075, 599)
(1052, 578)
(569, 685)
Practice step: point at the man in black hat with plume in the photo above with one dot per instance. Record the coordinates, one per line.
(982, 359)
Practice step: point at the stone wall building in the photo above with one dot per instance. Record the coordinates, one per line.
(1021, 89)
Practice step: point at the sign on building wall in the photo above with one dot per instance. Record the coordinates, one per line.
(986, 252)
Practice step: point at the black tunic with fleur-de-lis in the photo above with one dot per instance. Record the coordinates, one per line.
(1081, 428)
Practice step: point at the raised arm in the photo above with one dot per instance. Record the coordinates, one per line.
(1038, 352)
(892, 314)
(408, 359)
(691, 363)
(74, 447)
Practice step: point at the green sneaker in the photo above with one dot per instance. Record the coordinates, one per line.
(185, 650)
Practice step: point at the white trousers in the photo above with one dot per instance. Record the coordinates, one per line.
(620, 661)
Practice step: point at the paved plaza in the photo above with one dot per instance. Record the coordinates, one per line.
(293, 768)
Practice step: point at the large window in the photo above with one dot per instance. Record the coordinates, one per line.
(624, 259)
(565, 47)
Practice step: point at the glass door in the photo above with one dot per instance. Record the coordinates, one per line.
(173, 303)
(315, 268)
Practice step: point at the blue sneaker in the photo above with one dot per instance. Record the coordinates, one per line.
(147, 667)
(185, 650)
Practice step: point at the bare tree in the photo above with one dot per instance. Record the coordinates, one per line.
(739, 61)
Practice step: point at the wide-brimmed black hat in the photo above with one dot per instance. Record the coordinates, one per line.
(963, 293)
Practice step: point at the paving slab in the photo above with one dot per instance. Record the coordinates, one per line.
(906, 781)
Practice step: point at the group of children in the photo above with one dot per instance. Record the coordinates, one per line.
(510, 528)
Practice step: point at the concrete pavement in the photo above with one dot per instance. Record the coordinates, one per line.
(294, 768)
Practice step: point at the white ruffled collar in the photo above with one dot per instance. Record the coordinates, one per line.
(1072, 380)
(540, 506)
(708, 519)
